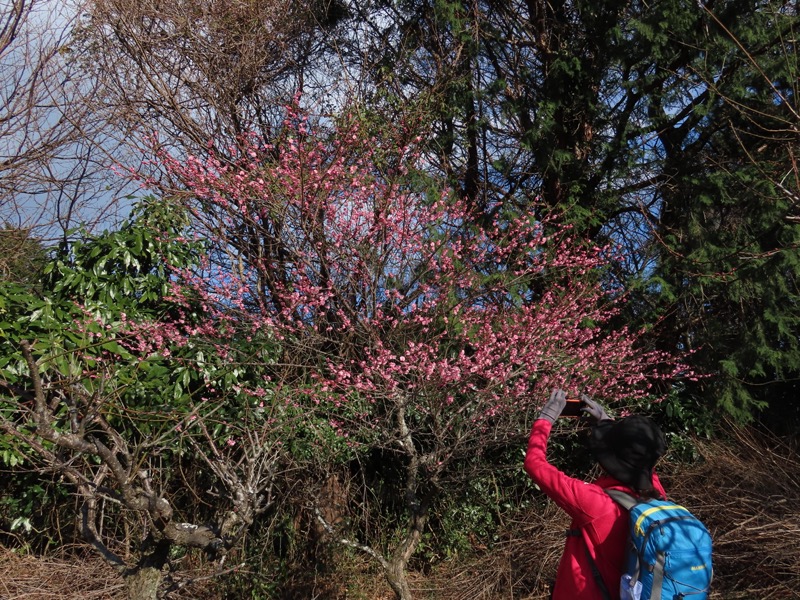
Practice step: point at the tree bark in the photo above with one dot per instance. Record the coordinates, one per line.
(144, 580)
(143, 584)
(398, 581)
(395, 568)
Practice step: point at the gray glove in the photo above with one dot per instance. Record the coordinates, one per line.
(553, 407)
(593, 409)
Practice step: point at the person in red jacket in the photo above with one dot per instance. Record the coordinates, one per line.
(627, 449)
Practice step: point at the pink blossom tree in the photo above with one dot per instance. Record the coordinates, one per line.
(411, 328)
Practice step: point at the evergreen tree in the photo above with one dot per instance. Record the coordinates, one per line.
(728, 265)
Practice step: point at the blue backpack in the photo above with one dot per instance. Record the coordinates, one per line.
(670, 554)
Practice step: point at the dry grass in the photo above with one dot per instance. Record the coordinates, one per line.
(746, 489)
(80, 576)
(77, 573)
(520, 567)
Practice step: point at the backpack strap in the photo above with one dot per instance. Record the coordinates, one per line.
(658, 576)
(627, 502)
(624, 499)
(598, 578)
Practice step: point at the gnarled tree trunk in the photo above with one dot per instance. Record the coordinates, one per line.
(396, 567)
(144, 580)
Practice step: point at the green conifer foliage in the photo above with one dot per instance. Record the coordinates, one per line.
(727, 261)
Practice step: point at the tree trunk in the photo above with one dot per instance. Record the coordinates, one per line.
(143, 580)
(395, 567)
(397, 579)
(143, 583)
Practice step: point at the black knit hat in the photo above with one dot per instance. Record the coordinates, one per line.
(628, 449)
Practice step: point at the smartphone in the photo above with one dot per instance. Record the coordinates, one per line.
(572, 408)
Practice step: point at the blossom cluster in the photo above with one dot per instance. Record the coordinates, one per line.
(322, 240)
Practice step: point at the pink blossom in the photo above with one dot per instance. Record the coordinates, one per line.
(389, 293)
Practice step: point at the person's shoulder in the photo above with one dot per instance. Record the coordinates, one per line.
(606, 482)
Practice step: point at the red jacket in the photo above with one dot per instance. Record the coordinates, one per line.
(602, 524)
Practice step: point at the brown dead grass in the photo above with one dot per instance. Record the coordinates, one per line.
(745, 488)
(75, 576)
(520, 567)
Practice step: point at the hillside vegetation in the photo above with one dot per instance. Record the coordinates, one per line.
(746, 488)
